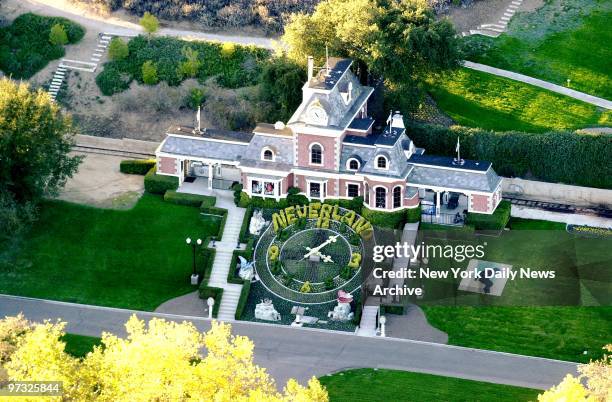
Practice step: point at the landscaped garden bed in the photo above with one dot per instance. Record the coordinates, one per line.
(133, 259)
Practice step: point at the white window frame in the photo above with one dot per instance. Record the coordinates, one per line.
(386, 162)
(386, 197)
(348, 164)
(277, 187)
(393, 197)
(263, 151)
(310, 154)
(346, 186)
(322, 189)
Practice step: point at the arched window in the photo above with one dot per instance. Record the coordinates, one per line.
(381, 197)
(316, 154)
(267, 154)
(397, 197)
(352, 164)
(381, 162)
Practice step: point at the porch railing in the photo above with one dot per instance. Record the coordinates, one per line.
(443, 219)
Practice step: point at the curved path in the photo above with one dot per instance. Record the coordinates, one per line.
(594, 100)
(300, 353)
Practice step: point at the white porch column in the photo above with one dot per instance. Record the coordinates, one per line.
(437, 203)
(210, 176)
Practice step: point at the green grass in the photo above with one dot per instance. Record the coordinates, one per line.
(477, 99)
(565, 39)
(383, 385)
(131, 259)
(80, 345)
(557, 318)
(24, 45)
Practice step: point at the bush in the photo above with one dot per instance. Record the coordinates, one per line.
(191, 65)
(149, 23)
(149, 73)
(195, 98)
(558, 157)
(27, 45)
(111, 81)
(158, 184)
(356, 204)
(329, 283)
(118, 49)
(206, 291)
(413, 215)
(496, 221)
(391, 220)
(306, 288)
(57, 35)
(244, 229)
(242, 301)
(136, 166)
(192, 200)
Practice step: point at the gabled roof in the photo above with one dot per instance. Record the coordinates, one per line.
(211, 134)
(195, 147)
(449, 162)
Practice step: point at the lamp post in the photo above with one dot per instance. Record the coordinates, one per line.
(194, 276)
(382, 320)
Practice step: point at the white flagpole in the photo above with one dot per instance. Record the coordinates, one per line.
(458, 151)
(198, 118)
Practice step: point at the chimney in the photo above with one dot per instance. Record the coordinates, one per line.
(310, 67)
(397, 120)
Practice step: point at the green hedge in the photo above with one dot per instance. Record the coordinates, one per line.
(232, 275)
(388, 309)
(496, 221)
(259, 202)
(356, 204)
(557, 157)
(158, 184)
(192, 200)
(216, 293)
(413, 215)
(244, 235)
(244, 297)
(221, 212)
(391, 220)
(25, 48)
(136, 166)
(204, 290)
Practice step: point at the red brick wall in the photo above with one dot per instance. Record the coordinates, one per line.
(303, 144)
(479, 203)
(167, 165)
(412, 202)
(287, 182)
(343, 189)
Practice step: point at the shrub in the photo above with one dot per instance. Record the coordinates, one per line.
(558, 157)
(58, 35)
(26, 45)
(158, 184)
(413, 215)
(391, 220)
(111, 81)
(136, 166)
(244, 229)
(118, 49)
(242, 301)
(329, 283)
(149, 23)
(206, 291)
(192, 200)
(496, 221)
(356, 204)
(149, 73)
(195, 98)
(227, 49)
(294, 198)
(306, 288)
(346, 273)
(191, 65)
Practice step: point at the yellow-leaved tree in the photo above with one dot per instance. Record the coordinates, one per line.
(597, 375)
(159, 361)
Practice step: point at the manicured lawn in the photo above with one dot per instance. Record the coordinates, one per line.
(25, 47)
(80, 345)
(557, 317)
(132, 259)
(565, 39)
(390, 385)
(477, 99)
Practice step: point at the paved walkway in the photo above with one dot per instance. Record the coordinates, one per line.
(540, 83)
(301, 353)
(224, 248)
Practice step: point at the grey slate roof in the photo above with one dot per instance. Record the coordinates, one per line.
(203, 148)
(282, 147)
(361, 124)
(337, 67)
(454, 178)
(446, 161)
(212, 133)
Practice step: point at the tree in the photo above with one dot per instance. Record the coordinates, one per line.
(158, 361)
(35, 141)
(398, 40)
(149, 23)
(58, 35)
(192, 63)
(281, 84)
(149, 73)
(597, 375)
(117, 49)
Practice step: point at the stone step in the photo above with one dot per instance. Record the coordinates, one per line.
(504, 19)
(107, 37)
(517, 2)
(493, 26)
(512, 7)
(506, 14)
(60, 73)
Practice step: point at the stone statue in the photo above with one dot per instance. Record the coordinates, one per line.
(247, 269)
(257, 223)
(342, 312)
(266, 311)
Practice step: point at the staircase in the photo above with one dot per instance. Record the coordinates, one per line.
(494, 30)
(367, 326)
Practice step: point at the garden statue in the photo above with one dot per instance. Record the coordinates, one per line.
(257, 223)
(342, 312)
(265, 311)
(247, 269)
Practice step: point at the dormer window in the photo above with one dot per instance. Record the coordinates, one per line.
(267, 154)
(352, 164)
(382, 162)
(348, 95)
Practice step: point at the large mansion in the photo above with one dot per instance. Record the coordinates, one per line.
(329, 149)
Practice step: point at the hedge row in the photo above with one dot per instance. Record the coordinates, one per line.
(136, 166)
(192, 200)
(158, 184)
(496, 221)
(244, 297)
(392, 220)
(244, 235)
(558, 157)
(232, 275)
(216, 293)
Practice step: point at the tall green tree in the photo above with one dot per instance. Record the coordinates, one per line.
(35, 141)
(149, 23)
(58, 35)
(281, 85)
(399, 41)
(118, 49)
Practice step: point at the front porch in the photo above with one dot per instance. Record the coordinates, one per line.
(443, 208)
(215, 176)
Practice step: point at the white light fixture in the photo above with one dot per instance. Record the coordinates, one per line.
(188, 240)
